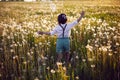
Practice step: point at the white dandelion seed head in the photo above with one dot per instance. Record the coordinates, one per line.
(0, 75)
(52, 7)
(90, 59)
(64, 68)
(110, 54)
(93, 65)
(36, 78)
(77, 57)
(90, 48)
(24, 62)
(83, 60)
(48, 68)
(117, 44)
(59, 63)
(77, 77)
(52, 71)
(118, 24)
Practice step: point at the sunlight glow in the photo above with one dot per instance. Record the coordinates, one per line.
(29, 0)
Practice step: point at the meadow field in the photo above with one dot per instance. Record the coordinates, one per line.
(95, 41)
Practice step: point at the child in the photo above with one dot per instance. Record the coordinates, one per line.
(63, 33)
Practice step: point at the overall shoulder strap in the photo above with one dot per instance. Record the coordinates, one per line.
(63, 28)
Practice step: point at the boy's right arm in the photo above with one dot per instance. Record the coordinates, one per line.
(40, 32)
(54, 31)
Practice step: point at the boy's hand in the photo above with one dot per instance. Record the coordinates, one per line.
(82, 13)
(40, 32)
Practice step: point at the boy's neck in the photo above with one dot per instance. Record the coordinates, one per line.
(62, 24)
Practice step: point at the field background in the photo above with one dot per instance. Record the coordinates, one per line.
(95, 41)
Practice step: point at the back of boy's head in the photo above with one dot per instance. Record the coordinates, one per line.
(62, 19)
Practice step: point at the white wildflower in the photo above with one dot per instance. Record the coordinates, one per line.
(64, 68)
(52, 71)
(93, 65)
(110, 54)
(83, 60)
(59, 63)
(77, 57)
(90, 48)
(77, 77)
(36, 78)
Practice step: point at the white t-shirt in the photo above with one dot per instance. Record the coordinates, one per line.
(59, 31)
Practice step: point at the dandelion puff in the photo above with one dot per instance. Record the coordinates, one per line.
(90, 59)
(94, 34)
(99, 21)
(53, 7)
(36, 45)
(52, 71)
(115, 37)
(93, 65)
(1, 49)
(15, 45)
(44, 21)
(15, 57)
(90, 48)
(110, 54)
(0, 75)
(31, 52)
(110, 50)
(104, 49)
(74, 52)
(118, 24)
(44, 64)
(77, 57)
(11, 50)
(100, 49)
(64, 68)
(77, 77)
(36, 78)
(83, 60)
(45, 58)
(48, 68)
(96, 45)
(93, 30)
(24, 62)
(88, 41)
(20, 45)
(28, 53)
(117, 44)
(59, 63)
(8, 37)
(76, 31)
(115, 52)
(40, 43)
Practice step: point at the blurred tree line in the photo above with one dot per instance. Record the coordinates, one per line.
(11, 0)
(50, 0)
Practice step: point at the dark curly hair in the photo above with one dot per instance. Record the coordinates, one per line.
(62, 19)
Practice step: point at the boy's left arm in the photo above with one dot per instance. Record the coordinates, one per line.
(82, 14)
